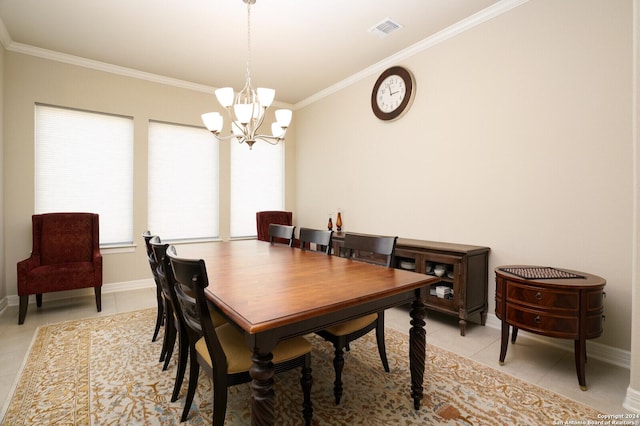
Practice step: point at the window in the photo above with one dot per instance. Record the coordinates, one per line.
(257, 183)
(84, 163)
(183, 182)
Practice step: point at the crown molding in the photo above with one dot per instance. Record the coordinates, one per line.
(472, 21)
(484, 15)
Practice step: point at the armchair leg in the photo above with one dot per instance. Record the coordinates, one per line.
(39, 300)
(98, 292)
(22, 313)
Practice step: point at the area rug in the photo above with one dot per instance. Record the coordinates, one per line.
(105, 371)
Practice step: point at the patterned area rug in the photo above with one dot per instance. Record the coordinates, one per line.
(105, 371)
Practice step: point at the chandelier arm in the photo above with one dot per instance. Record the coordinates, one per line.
(268, 139)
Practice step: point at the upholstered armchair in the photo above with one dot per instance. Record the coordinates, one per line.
(265, 218)
(65, 256)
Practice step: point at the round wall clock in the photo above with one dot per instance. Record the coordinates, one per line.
(393, 93)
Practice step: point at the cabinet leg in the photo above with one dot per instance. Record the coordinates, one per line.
(581, 359)
(463, 326)
(504, 341)
(514, 334)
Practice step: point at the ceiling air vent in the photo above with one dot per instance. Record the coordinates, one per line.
(385, 27)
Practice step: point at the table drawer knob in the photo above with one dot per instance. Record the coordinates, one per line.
(537, 319)
(538, 296)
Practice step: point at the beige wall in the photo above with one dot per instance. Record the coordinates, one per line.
(29, 80)
(519, 138)
(3, 290)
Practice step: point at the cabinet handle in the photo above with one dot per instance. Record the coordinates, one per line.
(537, 319)
(538, 295)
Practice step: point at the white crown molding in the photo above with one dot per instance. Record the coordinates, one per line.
(103, 66)
(476, 19)
(484, 15)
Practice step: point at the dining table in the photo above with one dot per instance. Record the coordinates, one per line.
(272, 292)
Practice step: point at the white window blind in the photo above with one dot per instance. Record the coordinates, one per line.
(84, 163)
(183, 182)
(257, 184)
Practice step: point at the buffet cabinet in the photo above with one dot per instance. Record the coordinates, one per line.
(462, 270)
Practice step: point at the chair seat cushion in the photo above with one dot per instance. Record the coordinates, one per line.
(351, 326)
(239, 356)
(216, 318)
(61, 276)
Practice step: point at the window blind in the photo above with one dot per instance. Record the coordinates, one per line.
(257, 184)
(183, 182)
(84, 163)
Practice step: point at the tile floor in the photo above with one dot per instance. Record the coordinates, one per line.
(530, 360)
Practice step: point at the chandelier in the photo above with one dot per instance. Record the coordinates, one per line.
(247, 111)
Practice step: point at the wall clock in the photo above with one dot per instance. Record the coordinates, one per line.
(392, 93)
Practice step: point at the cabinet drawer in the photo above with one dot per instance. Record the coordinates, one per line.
(543, 298)
(542, 322)
(594, 326)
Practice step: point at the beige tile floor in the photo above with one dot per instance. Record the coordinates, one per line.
(546, 366)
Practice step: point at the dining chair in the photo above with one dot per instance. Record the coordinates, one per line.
(221, 351)
(159, 298)
(178, 326)
(378, 250)
(281, 233)
(315, 239)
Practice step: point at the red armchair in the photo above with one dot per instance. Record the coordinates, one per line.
(65, 256)
(263, 219)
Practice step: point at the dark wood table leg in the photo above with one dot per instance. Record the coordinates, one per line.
(262, 402)
(504, 341)
(417, 348)
(580, 349)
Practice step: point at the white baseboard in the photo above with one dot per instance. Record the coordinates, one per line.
(632, 401)
(14, 299)
(595, 350)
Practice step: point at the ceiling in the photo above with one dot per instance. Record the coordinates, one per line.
(298, 47)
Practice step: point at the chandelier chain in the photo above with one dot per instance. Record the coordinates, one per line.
(249, 40)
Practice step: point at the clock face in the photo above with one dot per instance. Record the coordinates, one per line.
(392, 93)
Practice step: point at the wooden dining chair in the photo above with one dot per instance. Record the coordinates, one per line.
(159, 298)
(221, 351)
(283, 233)
(315, 239)
(374, 249)
(178, 326)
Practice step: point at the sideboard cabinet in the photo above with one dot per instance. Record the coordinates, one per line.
(463, 286)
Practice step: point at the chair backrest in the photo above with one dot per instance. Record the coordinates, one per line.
(149, 240)
(190, 276)
(162, 270)
(264, 218)
(283, 232)
(376, 249)
(147, 237)
(65, 237)
(318, 238)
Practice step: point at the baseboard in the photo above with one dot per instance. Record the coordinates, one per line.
(595, 350)
(632, 400)
(14, 299)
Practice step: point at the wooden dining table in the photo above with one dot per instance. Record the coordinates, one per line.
(273, 292)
